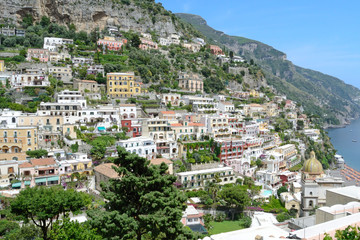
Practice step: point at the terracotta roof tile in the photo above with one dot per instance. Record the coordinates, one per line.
(43, 161)
(196, 124)
(107, 170)
(25, 165)
(176, 125)
(167, 112)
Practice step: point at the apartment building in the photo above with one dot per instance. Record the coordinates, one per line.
(198, 179)
(111, 43)
(15, 141)
(61, 73)
(122, 85)
(43, 55)
(191, 82)
(53, 44)
(143, 146)
(161, 132)
(147, 44)
(20, 81)
(38, 172)
(59, 56)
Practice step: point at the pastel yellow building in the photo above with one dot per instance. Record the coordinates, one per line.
(2, 66)
(14, 142)
(122, 85)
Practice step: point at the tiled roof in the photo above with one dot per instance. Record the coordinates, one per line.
(196, 124)
(176, 125)
(107, 170)
(167, 112)
(25, 165)
(43, 161)
(158, 161)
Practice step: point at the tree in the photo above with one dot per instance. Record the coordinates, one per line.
(75, 147)
(349, 233)
(231, 55)
(135, 41)
(70, 230)
(45, 21)
(9, 42)
(235, 198)
(25, 232)
(37, 153)
(281, 190)
(143, 203)
(43, 205)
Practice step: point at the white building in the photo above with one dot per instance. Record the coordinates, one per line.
(52, 43)
(20, 81)
(226, 107)
(128, 111)
(142, 146)
(197, 179)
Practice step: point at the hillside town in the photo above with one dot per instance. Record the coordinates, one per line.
(71, 115)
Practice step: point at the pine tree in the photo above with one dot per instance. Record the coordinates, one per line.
(142, 203)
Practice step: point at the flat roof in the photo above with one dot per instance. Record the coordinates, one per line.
(350, 191)
(219, 169)
(322, 228)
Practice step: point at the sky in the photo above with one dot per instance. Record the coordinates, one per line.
(316, 34)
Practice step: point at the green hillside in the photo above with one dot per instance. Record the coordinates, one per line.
(320, 94)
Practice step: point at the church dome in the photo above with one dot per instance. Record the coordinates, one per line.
(312, 165)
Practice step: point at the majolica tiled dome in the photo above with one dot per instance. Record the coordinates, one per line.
(312, 165)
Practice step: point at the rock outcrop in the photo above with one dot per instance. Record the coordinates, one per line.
(90, 14)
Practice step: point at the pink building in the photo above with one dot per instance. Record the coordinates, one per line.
(216, 50)
(111, 43)
(42, 54)
(147, 44)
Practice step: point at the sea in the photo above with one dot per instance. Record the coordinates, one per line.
(347, 143)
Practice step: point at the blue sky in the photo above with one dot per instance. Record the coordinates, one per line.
(320, 35)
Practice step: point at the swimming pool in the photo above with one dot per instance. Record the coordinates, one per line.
(266, 193)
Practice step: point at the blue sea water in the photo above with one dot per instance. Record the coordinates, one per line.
(343, 141)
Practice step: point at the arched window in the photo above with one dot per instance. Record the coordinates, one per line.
(13, 120)
(311, 203)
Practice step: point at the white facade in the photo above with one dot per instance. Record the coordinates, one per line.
(20, 81)
(143, 146)
(128, 111)
(198, 179)
(226, 107)
(52, 43)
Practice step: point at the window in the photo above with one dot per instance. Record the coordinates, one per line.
(5, 134)
(29, 141)
(15, 134)
(28, 134)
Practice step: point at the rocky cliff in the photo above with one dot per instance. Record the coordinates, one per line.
(139, 16)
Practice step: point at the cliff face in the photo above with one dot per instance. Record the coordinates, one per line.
(90, 14)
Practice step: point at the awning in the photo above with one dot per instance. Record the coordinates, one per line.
(49, 179)
(54, 178)
(18, 184)
(101, 128)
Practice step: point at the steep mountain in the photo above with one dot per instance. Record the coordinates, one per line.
(86, 15)
(329, 97)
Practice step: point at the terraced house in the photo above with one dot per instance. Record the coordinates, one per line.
(122, 85)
